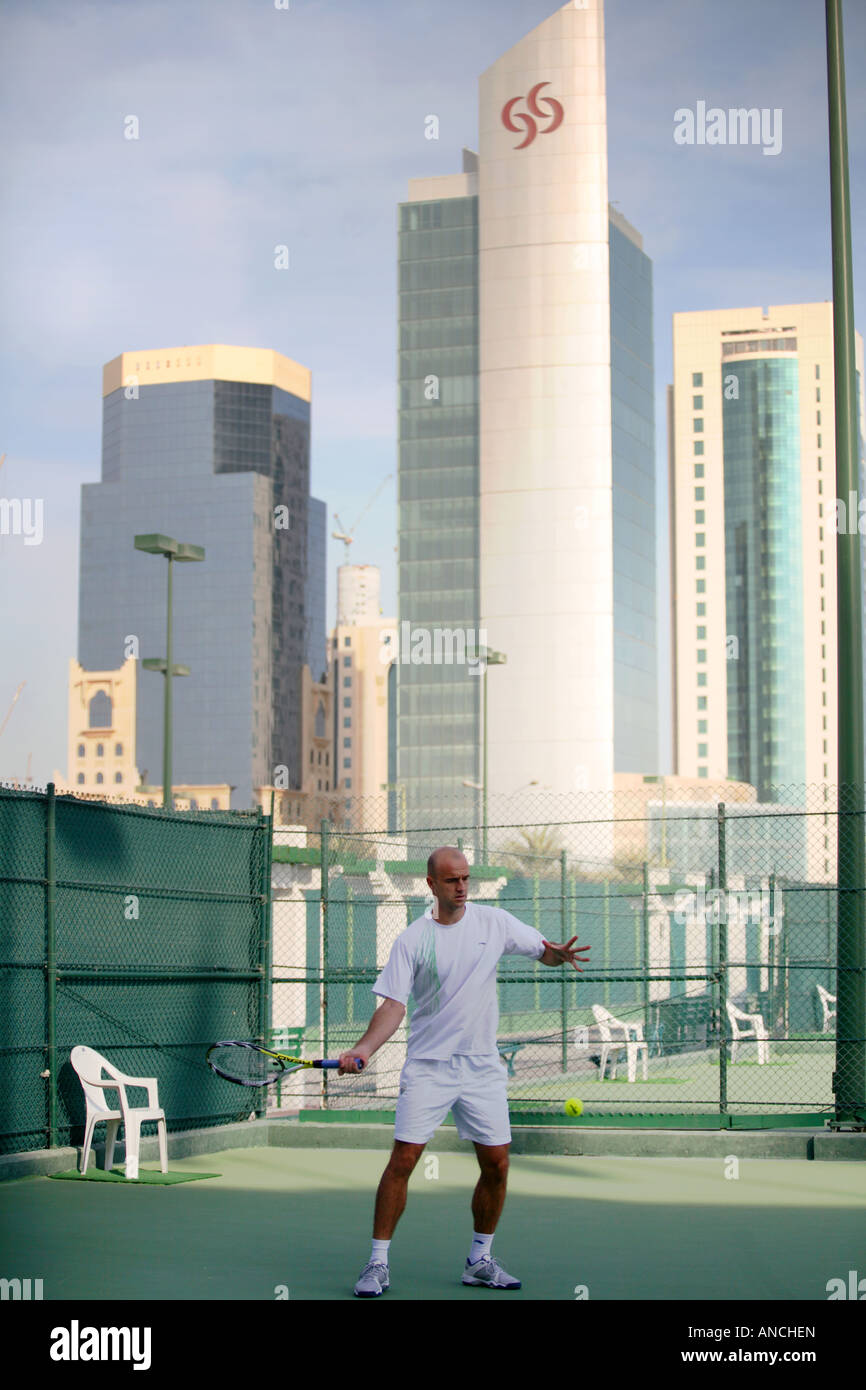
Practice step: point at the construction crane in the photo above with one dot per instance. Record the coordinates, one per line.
(14, 699)
(348, 536)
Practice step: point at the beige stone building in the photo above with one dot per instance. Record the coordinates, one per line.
(316, 798)
(101, 754)
(363, 646)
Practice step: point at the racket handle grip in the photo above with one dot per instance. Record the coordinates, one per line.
(333, 1064)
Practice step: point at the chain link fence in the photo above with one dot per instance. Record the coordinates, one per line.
(139, 932)
(712, 984)
(713, 990)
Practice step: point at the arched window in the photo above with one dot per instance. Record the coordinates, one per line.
(214, 804)
(80, 778)
(118, 776)
(320, 721)
(81, 750)
(100, 749)
(100, 711)
(118, 750)
(99, 777)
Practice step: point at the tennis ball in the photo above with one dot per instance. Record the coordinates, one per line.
(574, 1107)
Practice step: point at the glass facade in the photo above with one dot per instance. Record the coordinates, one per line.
(634, 523)
(208, 462)
(438, 717)
(763, 578)
(438, 733)
(315, 592)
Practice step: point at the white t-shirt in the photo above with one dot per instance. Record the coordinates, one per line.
(450, 971)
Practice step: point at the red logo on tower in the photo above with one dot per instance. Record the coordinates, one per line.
(530, 121)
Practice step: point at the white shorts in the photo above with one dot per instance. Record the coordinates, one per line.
(474, 1088)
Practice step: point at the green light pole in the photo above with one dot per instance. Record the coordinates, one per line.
(173, 551)
(490, 658)
(849, 1081)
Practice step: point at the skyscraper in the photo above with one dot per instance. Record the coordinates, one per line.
(526, 445)
(210, 445)
(753, 527)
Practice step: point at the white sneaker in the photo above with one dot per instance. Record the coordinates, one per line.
(489, 1273)
(373, 1282)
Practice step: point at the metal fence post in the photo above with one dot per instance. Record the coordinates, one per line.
(51, 964)
(723, 966)
(771, 954)
(266, 1021)
(350, 953)
(563, 917)
(606, 910)
(536, 920)
(645, 951)
(323, 878)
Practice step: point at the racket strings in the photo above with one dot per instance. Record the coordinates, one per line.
(248, 1065)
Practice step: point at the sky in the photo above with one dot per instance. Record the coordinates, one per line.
(301, 126)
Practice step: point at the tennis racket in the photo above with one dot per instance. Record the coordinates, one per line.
(247, 1064)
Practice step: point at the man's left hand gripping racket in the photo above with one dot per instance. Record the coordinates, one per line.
(247, 1064)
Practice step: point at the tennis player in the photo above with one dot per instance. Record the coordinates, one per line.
(446, 960)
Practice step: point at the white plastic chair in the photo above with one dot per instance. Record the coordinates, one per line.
(90, 1067)
(758, 1031)
(630, 1037)
(829, 1013)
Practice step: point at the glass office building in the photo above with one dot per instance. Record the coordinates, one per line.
(315, 591)
(764, 575)
(209, 445)
(438, 727)
(634, 505)
(753, 526)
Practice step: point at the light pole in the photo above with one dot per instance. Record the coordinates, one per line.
(400, 788)
(849, 1079)
(490, 658)
(180, 551)
(475, 787)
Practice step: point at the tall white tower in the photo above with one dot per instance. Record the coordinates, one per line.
(546, 482)
(358, 594)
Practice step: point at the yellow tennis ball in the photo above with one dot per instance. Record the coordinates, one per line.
(574, 1107)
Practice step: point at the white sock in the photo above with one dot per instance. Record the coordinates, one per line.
(480, 1247)
(380, 1252)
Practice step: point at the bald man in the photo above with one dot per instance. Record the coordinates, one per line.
(446, 961)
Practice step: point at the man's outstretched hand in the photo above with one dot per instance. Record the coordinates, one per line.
(568, 954)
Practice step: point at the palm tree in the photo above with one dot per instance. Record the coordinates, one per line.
(538, 854)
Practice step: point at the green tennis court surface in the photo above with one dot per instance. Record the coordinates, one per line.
(297, 1223)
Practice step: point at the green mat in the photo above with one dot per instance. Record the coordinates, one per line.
(150, 1176)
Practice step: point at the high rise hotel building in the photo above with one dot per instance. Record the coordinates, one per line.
(210, 445)
(526, 439)
(753, 547)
